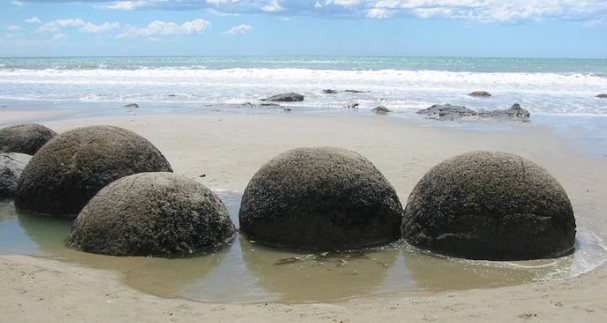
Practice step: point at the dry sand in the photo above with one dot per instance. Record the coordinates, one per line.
(228, 150)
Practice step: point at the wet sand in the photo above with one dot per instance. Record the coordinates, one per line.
(229, 149)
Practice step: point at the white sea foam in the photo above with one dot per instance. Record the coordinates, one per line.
(400, 90)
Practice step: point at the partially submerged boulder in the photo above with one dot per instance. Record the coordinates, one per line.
(490, 205)
(63, 176)
(11, 167)
(447, 112)
(381, 110)
(454, 112)
(602, 96)
(285, 97)
(322, 198)
(24, 138)
(152, 214)
(480, 94)
(516, 112)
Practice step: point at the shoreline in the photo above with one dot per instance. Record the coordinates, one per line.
(229, 148)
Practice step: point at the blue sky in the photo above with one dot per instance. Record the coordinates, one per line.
(496, 28)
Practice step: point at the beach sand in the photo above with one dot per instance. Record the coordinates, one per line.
(223, 151)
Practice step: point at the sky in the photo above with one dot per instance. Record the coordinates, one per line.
(473, 28)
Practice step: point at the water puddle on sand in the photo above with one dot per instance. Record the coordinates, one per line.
(244, 272)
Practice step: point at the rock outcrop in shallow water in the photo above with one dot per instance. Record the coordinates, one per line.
(490, 205)
(72, 167)
(455, 112)
(381, 110)
(152, 214)
(322, 198)
(285, 97)
(480, 94)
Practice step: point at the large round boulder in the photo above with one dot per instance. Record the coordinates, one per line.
(11, 167)
(152, 214)
(322, 198)
(72, 167)
(490, 205)
(24, 138)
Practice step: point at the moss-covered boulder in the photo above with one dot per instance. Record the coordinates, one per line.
(322, 198)
(72, 167)
(490, 205)
(152, 214)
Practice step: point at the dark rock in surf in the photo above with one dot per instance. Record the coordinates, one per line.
(24, 138)
(381, 110)
(322, 198)
(285, 97)
(490, 205)
(152, 214)
(454, 112)
(447, 112)
(329, 91)
(602, 96)
(516, 112)
(72, 167)
(132, 105)
(11, 167)
(352, 105)
(480, 94)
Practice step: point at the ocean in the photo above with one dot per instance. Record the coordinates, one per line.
(559, 93)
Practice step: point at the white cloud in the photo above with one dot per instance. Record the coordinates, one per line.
(345, 3)
(433, 12)
(125, 5)
(83, 26)
(95, 29)
(33, 20)
(583, 11)
(13, 28)
(238, 30)
(60, 23)
(132, 5)
(378, 13)
(18, 3)
(164, 28)
(273, 6)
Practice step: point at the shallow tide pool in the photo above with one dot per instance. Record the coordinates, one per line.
(245, 272)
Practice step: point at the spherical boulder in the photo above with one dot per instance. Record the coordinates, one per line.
(490, 205)
(321, 198)
(11, 167)
(24, 138)
(152, 214)
(72, 167)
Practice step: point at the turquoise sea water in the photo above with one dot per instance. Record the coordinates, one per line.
(453, 64)
(559, 93)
